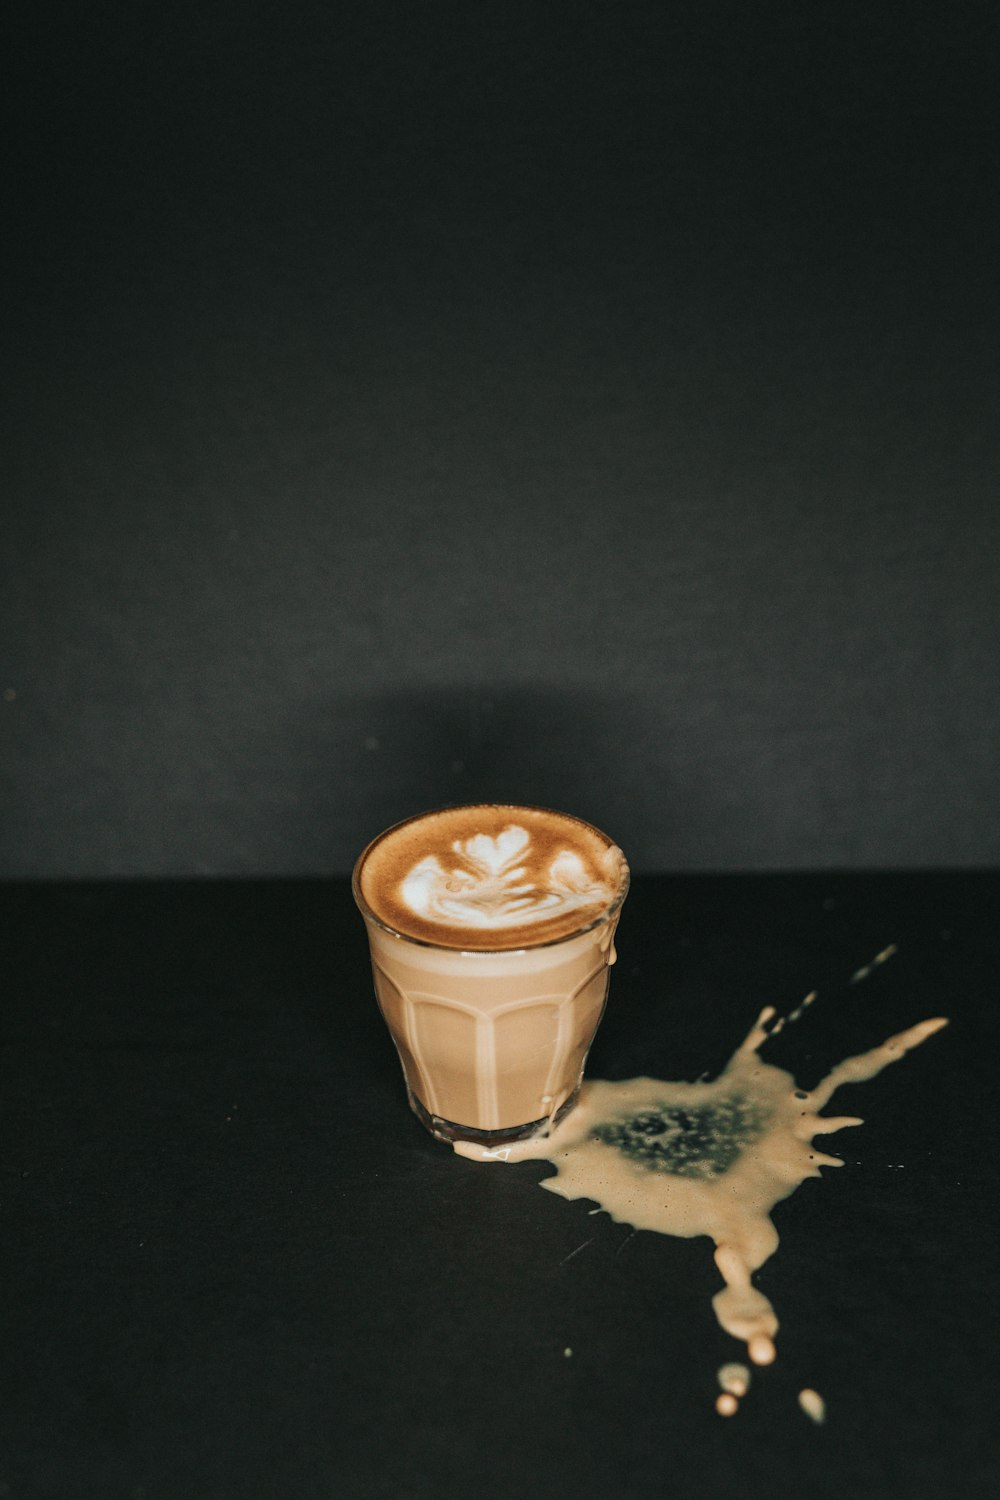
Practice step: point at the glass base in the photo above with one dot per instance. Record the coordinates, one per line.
(448, 1131)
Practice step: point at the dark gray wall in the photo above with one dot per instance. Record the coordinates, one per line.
(590, 404)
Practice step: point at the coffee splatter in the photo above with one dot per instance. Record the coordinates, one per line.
(734, 1381)
(710, 1158)
(867, 970)
(813, 1405)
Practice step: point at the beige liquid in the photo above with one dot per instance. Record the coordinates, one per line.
(710, 1159)
(734, 1382)
(813, 1405)
(492, 1041)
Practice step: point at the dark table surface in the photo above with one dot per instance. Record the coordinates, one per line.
(234, 1265)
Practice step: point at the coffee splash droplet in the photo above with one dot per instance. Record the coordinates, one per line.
(813, 1405)
(734, 1378)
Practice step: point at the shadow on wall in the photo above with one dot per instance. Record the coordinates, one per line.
(365, 762)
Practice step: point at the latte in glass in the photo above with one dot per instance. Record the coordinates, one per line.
(492, 933)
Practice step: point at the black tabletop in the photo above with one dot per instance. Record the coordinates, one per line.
(234, 1265)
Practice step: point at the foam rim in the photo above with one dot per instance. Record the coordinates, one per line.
(406, 937)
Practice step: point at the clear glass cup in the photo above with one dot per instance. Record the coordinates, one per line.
(492, 1041)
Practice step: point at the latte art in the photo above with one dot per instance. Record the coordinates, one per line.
(490, 886)
(493, 876)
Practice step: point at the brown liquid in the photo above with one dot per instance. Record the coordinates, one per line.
(709, 1158)
(490, 876)
(813, 1405)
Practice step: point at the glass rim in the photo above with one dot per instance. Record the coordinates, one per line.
(407, 937)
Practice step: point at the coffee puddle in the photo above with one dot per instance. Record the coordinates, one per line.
(710, 1158)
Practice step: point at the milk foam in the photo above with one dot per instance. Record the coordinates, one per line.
(489, 886)
(492, 876)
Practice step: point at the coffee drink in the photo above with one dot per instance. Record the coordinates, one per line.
(491, 930)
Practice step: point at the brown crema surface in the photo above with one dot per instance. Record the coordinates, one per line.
(441, 835)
